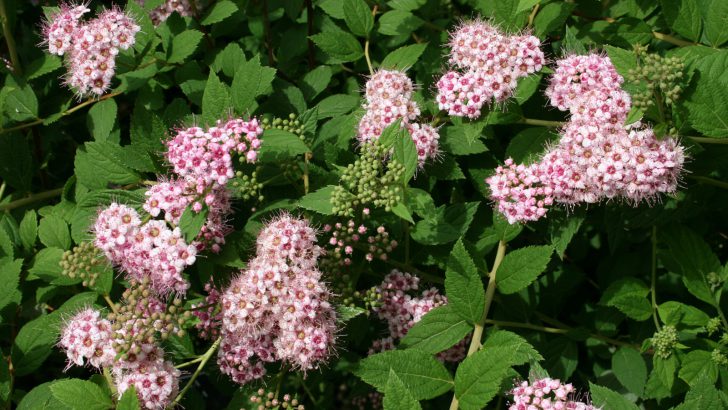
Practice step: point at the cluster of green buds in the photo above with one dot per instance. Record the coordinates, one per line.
(142, 318)
(85, 262)
(662, 77)
(713, 325)
(714, 280)
(664, 341)
(291, 170)
(290, 124)
(247, 187)
(373, 179)
(268, 400)
(718, 357)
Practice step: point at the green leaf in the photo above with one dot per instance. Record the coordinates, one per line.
(315, 81)
(602, 397)
(9, 277)
(401, 210)
(216, 100)
(623, 60)
(278, 145)
(358, 17)
(53, 232)
(346, 313)
(46, 64)
(478, 377)
(318, 201)
(100, 162)
(334, 8)
(128, 400)
(664, 370)
(396, 395)
(463, 285)
(398, 22)
(692, 258)
(551, 17)
(707, 101)
(20, 103)
(703, 395)
(41, 398)
(676, 313)
(437, 331)
(407, 5)
(629, 295)
(101, 118)
(696, 364)
(521, 267)
(562, 232)
(183, 45)
(461, 140)
(527, 87)
(218, 12)
(337, 105)
(341, 46)
(76, 393)
(405, 152)
(423, 376)
(229, 59)
(528, 145)
(251, 80)
(630, 369)
(571, 44)
(404, 57)
(683, 16)
(449, 223)
(28, 230)
(523, 352)
(715, 19)
(191, 222)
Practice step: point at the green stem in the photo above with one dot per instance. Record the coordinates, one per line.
(707, 181)
(706, 140)
(189, 363)
(10, 40)
(2, 189)
(503, 323)
(281, 375)
(31, 199)
(480, 325)
(532, 15)
(543, 123)
(109, 381)
(204, 358)
(672, 40)
(63, 114)
(653, 281)
(366, 46)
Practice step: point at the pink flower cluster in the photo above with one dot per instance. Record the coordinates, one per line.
(92, 46)
(156, 383)
(278, 308)
(546, 394)
(173, 196)
(85, 337)
(208, 313)
(389, 98)
(486, 67)
(401, 311)
(152, 250)
(88, 336)
(340, 245)
(160, 14)
(597, 157)
(204, 157)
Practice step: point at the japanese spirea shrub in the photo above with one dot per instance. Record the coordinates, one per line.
(319, 226)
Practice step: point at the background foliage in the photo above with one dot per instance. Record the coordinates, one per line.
(581, 293)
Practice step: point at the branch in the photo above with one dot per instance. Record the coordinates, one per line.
(10, 40)
(672, 40)
(31, 199)
(203, 361)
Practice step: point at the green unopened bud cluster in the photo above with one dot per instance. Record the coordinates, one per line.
(140, 319)
(290, 124)
(247, 187)
(714, 280)
(662, 77)
(713, 325)
(718, 357)
(373, 179)
(84, 262)
(664, 341)
(268, 400)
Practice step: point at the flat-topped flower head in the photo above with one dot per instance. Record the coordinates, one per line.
(91, 46)
(86, 339)
(486, 65)
(546, 394)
